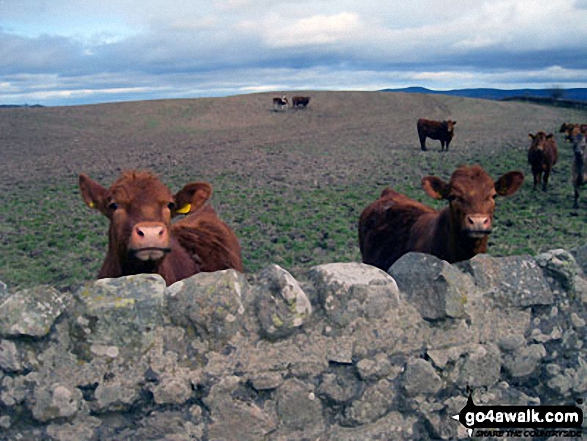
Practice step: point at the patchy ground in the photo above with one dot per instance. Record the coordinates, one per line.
(292, 184)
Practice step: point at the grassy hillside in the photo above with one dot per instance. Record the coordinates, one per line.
(292, 184)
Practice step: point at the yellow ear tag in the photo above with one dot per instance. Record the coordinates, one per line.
(92, 205)
(185, 209)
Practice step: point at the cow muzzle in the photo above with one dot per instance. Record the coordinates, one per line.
(478, 226)
(149, 241)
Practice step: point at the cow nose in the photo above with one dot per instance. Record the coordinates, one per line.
(149, 235)
(479, 222)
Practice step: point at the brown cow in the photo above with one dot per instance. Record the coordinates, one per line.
(579, 168)
(440, 130)
(542, 156)
(300, 101)
(141, 238)
(394, 224)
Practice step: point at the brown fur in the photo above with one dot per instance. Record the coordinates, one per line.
(579, 168)
(542, 156)
(440, 130)
(394, 224)
(142, 238)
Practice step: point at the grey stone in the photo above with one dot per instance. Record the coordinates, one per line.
(298, 406)
(233, 416)
(376, 401)
(393, 426)
(56, 401)
(561, 266)
(211, 303)
(282, 305)
(339, 387)
(31, 312)
(580, 255)
(172, 390)
(480, 367)
(437, 289)
(348, 291)
(420, 378)
(116, 395)
(83, 428)
(375, 368)
(514, 281)
(120, 313)
(524, 361)
(266, 380)
(10, 359)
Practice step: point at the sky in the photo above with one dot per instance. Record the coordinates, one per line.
(67, 52)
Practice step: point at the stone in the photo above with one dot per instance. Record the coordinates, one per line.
(298, 405)
(120, 313)
(376, 401)
(561, 266)
(10, 358)
(513, 281)
(481, 367)
(235, 415)
(437, 289)
(282, 305)
(420, 378)
(524, 361)
(211, 303)
(56, 401)
(348, 291)
(31, 312)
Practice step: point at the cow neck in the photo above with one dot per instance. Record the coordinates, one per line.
(459, 245)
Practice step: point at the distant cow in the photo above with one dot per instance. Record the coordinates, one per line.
(579, 168)
(542, 156)
(394, 224)
(567, 128)
(142, 238)
(300, 101)
(280, 103)
(439, 130)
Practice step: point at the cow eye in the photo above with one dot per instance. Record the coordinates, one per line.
(451, 197)
(113, 206)
(171, 206)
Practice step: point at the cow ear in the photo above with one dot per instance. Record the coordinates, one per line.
(550, 135)
(531, 136)
(93, 194)
(509, 183)
(435, 187)
(192, 197)
(454, 123)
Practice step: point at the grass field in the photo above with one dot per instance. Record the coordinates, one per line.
(291, 184)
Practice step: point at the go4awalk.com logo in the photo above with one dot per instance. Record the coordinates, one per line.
(521, 421)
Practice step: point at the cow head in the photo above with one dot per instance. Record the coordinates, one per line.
(139, 207)
(471, 194)
(539, 140)
(450, 126)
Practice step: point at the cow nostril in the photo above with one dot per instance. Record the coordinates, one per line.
(140, 233)
(470, 221)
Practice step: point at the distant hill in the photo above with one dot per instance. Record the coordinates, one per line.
(16, 106)
(577, 94)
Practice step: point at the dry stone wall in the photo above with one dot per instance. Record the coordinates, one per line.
(346, 352)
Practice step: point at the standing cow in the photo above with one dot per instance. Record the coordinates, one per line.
(394, 224)
(542, 156)
(579, 168)
(280, 103)
(439, 130)
(300, 101)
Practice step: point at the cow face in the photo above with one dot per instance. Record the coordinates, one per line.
(471, 194)
(450, 126)
(139, 208)
(539, 140)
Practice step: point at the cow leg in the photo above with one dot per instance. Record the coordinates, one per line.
(422, 142)
(545, 180)
(441, 145)
(576, 204)
(536, 181)
(447, 144)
